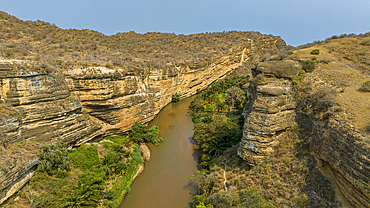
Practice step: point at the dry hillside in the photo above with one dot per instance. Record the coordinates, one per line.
(70, 48)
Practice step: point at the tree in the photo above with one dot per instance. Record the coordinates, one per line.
(210, 108)
(235, 94)
(220, 106)
(216, 146)
(175, 97)
(139, 134)
(54, 159)
(213, 98)
(82, 196)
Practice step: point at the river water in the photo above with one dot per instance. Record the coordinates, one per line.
(165, 180)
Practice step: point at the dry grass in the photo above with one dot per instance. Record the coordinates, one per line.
(289, 176)
(66, 49)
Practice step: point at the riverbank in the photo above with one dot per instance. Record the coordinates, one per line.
(95, 174)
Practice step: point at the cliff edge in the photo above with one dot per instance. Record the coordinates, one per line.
(327, 103)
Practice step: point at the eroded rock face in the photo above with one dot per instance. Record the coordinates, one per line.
(338, 143)
(271, 109)
(119, 98)
(81, 104)
(280, 69)
(36, 106)
(145, 152)
(45, 109)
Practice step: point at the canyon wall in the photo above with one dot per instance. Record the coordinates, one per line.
(329, 109)
(119, 98)
(78, 105)
(36, 108)
(338, 143)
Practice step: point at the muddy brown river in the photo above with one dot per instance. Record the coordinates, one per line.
(165, 180)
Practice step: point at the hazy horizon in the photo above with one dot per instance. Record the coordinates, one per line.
(297, 22)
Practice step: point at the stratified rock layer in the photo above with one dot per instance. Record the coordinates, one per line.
(79, 105)
(337, 143)
(270, 109)
(35, 107)
(119, 98)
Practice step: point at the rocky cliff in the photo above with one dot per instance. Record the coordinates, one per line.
(36, 107)
(77, 105)
(337, 114)
(330, 110)
(119, 98)
(270, 108)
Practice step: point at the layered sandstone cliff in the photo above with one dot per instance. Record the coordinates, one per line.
(78, 105)
(118, 98)
(36, 108)
(339, 119)
(330, 110)
(270, 109)
(334, 113)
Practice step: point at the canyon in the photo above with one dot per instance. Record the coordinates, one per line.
(78, 105)
(80, 100)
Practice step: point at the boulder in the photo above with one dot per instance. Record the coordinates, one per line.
(145, 152)
(280, 69)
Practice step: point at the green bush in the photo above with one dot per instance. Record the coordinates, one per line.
(136, 155)
(253, 199)
(84, 195)
(175, 97)
(315, 52)
(85, 158)
(139, 133)
(110, 194)
(112, 204)
(54, 159)
(128, 189)
(121, 167)
(308, 65)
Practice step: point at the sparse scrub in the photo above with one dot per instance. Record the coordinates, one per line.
(41, 41)
(365, 87)
(366, 42)
(308, 65)
(315, 52)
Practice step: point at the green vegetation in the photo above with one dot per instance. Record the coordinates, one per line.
(217, 115)
(220, 98)
(54, 160)
(232, 198)
(315, 52)
(91, 170)
(175, 98)
(308, 65)
(365, 87)
(288, 176)
(217, 123)
(139, 134)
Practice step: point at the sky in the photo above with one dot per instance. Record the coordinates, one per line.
(296, 21)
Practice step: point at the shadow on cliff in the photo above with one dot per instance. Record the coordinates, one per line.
(318, 187)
